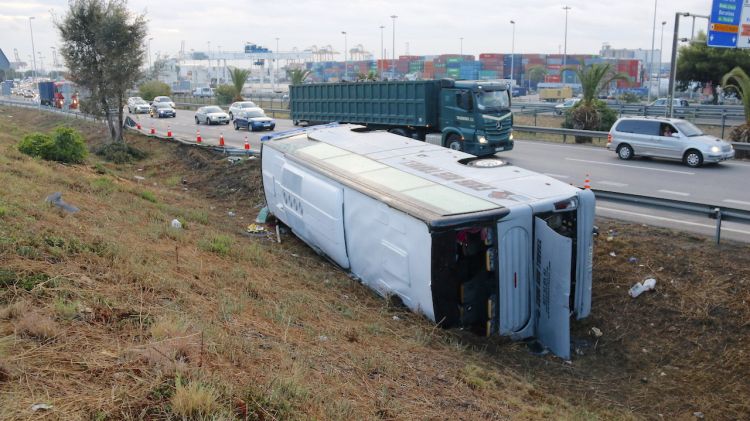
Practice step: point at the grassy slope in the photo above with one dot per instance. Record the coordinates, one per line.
(107, 313)
(101, 311)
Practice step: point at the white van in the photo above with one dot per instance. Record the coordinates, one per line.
(467, 242)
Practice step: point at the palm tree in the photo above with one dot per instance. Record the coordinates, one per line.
(239, 77)
(587, 114)
(741, 85)
(298, 76)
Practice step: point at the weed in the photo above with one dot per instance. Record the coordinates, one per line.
(120, 153)
(36, 326)
(477, 377)
(173, 181)
(29, 252)
(12, 311)
(66, 310)
(254, 253)
(198, 216)
(7, 277)
(103, 186)
(3, 211)
(100, 168)
(32, 281)
(53, 241)
(168, 327)
(148, 195)
(220, 244)
(193, 400)
(229, 306)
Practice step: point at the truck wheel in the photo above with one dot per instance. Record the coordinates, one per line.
(295, 122)
(454, 142)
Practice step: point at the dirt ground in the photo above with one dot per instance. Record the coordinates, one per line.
(109, 314)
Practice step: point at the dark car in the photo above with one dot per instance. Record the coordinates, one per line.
(162, 109)
(253, 119)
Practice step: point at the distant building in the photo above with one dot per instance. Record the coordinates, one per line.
(644, 56)
(4, 62)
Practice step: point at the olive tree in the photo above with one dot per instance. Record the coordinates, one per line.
(102, 45)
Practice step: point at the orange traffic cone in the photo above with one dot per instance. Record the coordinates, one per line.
(152, 132)
(587, 182)
(198, 136)
(138, 125)
(169, 132)
(221, 139)
(247, 145)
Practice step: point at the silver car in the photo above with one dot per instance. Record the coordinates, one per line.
(238, 107)
(211, 115)
(670, 138)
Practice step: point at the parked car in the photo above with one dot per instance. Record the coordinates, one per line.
(165, 99)
(254, 119)
(676, 103)
(240, 106)
(211, 115)
(162, 109)
(670, 138)
(137, 105)
(568, 104)
(204, 92)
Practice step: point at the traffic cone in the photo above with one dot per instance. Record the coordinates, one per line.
(138, 125)
(587, 182)
(198, 136)
(152, 133)
(169, 132)
(221, 139)
(247, 145)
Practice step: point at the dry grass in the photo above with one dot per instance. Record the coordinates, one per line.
(36, 326)
(273, 331)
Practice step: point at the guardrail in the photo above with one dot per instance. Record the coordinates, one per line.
(719, 213)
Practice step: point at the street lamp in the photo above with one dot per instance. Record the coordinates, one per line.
(462, 46)
(276, 73)
(346, 61)
(33, 52)
(393, 49)
(149, 54)
(54, 56)
(41, 62)
(382, 52)
(661, 51)
(651, 64)
(512, 54)
(565, 48)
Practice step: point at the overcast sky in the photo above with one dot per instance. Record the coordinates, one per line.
(430, 27)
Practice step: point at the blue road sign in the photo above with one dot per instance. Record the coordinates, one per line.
(723, 27)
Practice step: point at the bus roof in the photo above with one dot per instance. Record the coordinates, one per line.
(430, 177)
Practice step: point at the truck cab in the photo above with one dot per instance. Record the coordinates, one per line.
(476, 118)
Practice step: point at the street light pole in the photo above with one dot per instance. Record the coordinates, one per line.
(565, 48)
(461, 50)
(346, 61)
(276, 75)
(382, 53)
(512, 54)
(661, 51)
(149, 54)
(33, 51)
(393, 49)
(651, 64)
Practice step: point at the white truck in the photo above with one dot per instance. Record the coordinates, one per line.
(467, 242)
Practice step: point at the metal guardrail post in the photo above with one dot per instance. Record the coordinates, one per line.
(723, 121)
(717, 211)
(535, 116)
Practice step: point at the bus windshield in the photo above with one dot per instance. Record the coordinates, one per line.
(492, 100)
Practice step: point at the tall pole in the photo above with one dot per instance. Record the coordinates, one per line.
(651, 64)
(565, 48)
(33, 51)
(346, 61)
(393, 49)
(461, 49)
(149, 54)
(512, 54)
(277, 64)
(382, 53)
(673, 64)
(661, 51)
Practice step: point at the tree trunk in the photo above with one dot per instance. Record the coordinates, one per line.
(119, 119)
(110, 123)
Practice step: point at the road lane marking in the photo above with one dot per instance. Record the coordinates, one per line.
(562, 145)
(676, 193)
(556, 175)
(676, 221)
(736, 202)
(611, 183)
(629, 166)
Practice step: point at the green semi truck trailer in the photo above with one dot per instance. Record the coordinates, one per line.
(470, 116)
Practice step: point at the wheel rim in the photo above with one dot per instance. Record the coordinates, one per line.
(693, 159)
(455, 145)
(624, 152)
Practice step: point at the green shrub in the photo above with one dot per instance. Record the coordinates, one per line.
(148, 195)
(120, 153)
(154, 88)
(35, 144)
(65, 145)
(219, 244)
(224, 94)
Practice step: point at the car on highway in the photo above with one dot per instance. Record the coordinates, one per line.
(676, 103)
(253, 119)
(138, 105)
(204, 92)
(240, 106)
(211, 115)
(670, 138)
(161, 110)
(164, 99)
(568, 104)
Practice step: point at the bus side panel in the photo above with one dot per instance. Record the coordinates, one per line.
(389, 251)
(272, 166)
(515, 301)
(584, 253)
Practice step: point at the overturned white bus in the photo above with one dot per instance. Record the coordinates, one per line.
(468, 242)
